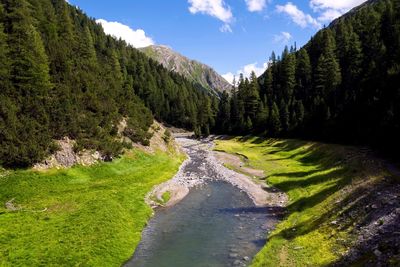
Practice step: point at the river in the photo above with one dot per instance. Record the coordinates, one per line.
(216, 224)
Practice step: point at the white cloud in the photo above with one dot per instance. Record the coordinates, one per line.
(298, 16)
(329, 15)
(333, 9)
(136, 38)
(336, 5)
(214, 8)
(256, 5)
(229, 77)
(246, 71)
(225, 28)
(283, 37)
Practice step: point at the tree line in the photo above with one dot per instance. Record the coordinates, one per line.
(342, 86)
(61, 75)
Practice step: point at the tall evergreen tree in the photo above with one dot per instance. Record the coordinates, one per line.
(274, 123)
(223, 123)
(252, 97)
(303, 75)
(288, 72)
(29, 70)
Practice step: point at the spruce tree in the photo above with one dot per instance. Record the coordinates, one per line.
(29, 72)
(4, 62)
(224, 114)
(285, 116)
(274, 123)
(252, 97)
(262, 116)
(288, 72)
(303, 75)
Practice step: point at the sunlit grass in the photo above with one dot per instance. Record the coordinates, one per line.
(93, 215)
(313, 175)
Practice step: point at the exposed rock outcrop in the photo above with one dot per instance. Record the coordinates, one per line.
(66, 156)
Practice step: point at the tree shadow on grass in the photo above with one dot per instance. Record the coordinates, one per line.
(362, 210)
(289, 144)
(300, 174)
(312, 224)
(333, 174)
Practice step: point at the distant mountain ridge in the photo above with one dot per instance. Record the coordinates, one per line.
(193, 70)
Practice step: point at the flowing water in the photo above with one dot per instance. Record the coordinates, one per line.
(216, 224)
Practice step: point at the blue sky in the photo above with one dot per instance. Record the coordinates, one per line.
(232, 36)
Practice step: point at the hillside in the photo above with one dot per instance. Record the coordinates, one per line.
(90, 216)
(343, 202)
(62, 76)
(342, 86)
(196, 72)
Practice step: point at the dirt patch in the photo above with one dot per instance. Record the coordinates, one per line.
(62, 207)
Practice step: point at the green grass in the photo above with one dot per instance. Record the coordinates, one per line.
(166, 197)
(318, 179)
(94, 215)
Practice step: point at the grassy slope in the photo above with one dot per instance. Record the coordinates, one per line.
(319, 180)
(95, 214)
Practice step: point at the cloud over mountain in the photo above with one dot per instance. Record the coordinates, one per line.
(136, 38)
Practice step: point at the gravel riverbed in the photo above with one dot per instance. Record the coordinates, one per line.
(201, 166)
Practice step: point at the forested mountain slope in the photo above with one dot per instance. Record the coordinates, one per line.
(194, 71)
(61, 75)
(342, 86)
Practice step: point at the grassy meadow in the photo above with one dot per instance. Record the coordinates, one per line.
(319, 180)
(83, 216)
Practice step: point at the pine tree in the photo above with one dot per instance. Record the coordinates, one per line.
(328, 74)
(303, 75)
(274, 124)
(251, 97)
(262, 116)
(30, 77)
(224, 114)
(4, 61)
(268, 87)
(285, 116)
(288, 72)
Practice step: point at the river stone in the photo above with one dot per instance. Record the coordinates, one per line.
(233, 255)
(237, 262)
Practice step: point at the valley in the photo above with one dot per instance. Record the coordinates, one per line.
(312, 199)
(89, 216)
(118, 150)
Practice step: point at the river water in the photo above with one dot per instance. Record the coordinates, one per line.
(216, 224)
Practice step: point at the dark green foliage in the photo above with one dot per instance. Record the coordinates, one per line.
(274, 123)
(26, 93)
(342, 86)
(223, 122)
(167, 136)
(60, 75)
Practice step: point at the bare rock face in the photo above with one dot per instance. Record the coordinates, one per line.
(194, 71)
(66, 157)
